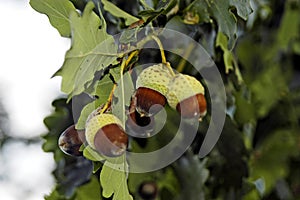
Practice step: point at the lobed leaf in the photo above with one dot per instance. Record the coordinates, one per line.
(221, 11)
(117, 12)
(58, 12)
(228, 56)
(243, 8)
(92, 50)
(113, 178)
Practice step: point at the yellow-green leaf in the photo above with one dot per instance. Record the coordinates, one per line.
(113, 178)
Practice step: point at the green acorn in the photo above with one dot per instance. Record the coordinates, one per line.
(186, 95)
(152, 87)
(105, 133)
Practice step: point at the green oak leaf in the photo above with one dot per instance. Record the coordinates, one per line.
(89, 191)
(221, 12)
(243, 8)
(289, 29)
(163, 7)
(54, 195)
(269, 162)
(192, 174)
(267, 89)
(92, 50)
(122, 95)
(113, 179)
(222, 42)
(245, 110)
(85, 112)
(58, 12)
(225, 18)
(117, 12)
(92, 155)
(228, 56)
(102, 90)
(129, 35)
(115, 73)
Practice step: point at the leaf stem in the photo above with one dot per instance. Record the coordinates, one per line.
(132, 54)
(237, 70)
(161, 48)
(163, 56)
(123, 65)
(108, 102)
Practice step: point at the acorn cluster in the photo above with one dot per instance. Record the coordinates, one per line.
(155, 87)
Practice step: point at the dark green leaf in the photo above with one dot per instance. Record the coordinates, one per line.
(243, 8)
(89, 191)
(221, 12)
(192, 175)
(289, 28)
(269, 161)
(267, 89)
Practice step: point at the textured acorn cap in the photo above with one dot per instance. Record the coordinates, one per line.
(156, 77)
(96, 123)
(181, 87)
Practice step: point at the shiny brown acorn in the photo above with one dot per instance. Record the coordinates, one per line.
(106, 135)
(152, 86)
(186, 95)
(137, 125)
(71, 140)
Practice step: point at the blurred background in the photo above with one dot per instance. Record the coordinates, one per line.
(31, 51)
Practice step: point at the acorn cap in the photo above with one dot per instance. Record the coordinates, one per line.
(156, 77)
(98, 122)
(181, 87)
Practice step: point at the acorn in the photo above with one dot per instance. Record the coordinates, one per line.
(137, 125)
(186, 95)
(152, 87)
(148, 190)
(105, 134)
(70, 141)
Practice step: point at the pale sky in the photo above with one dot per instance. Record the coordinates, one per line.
(30, 51)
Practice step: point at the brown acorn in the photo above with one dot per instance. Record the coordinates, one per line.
(186, 95)
(71, 140)
(152, 86)
(137, 125)
(148, 190)
(106, 135)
